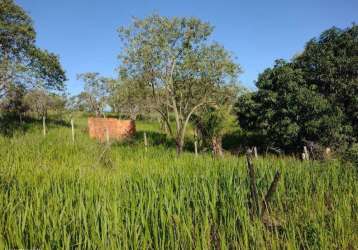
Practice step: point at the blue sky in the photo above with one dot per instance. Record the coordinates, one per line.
(84, 32)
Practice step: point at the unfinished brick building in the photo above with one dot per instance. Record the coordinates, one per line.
(117, 129)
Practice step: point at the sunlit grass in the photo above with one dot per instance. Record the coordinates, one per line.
(56, 194)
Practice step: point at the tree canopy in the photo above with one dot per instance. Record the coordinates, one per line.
(94, 96)
(312, 98)
(174, 59)
(21, 62)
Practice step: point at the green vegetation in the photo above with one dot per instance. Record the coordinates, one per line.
(180, 86)
(314, 97)
(58, 195)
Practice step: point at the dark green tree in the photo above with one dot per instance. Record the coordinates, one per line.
(286, 113)
(311, 98)
(13, 103)
(330, 64)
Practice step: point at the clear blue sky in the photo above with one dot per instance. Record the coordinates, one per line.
(83, 32)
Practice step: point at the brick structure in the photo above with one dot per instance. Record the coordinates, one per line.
(117, 129)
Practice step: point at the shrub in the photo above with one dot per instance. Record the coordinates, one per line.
(351, 154)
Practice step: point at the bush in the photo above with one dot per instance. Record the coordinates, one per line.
(351, 154)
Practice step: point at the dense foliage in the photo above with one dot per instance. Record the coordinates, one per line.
(314, 97)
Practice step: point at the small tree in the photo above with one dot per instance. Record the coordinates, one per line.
(214, 123)
(14, 103)
(216, 120)
(94, 96)
(128, 98)
(38, 102)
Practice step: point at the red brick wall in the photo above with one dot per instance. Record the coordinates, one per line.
(117, 129)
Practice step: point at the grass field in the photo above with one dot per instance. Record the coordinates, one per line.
(58, 195)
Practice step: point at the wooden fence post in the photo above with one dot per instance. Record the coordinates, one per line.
(255, 152)
(269, 194)
(303, 156)
(73, 130)
(145, 142)
(196, 147)
(327, 153)
(307, 156)
(255, 207)
(44, 125)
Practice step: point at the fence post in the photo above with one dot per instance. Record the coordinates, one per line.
(44, 125)
(196, 147)
(145, 142)
(306, 153)
(255, 207)
(269, 194)
(303, 156)
(73, 130)
(255, 152)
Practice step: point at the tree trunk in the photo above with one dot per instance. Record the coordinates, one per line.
(166, 130)
(133, 117)
(179, 143)
(216, 142)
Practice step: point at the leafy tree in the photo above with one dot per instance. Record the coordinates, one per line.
(78, 103)
(172, 56)
(213, 124)
(128, 98)
(311, 98)
(216, 120)
(21, 62)
(94, 96)
(330, 64)
(40, 102)
(13, 103)
(286, 112)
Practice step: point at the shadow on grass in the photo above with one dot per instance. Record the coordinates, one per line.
(159, 139)
(10, 124)
(238, 142)
(153, 138)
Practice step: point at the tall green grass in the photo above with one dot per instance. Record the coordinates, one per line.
(54, 195)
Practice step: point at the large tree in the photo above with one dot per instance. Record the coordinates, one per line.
(183, 69)
(21, 62)
(286, 113)
(330, 64)
(312, 98)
